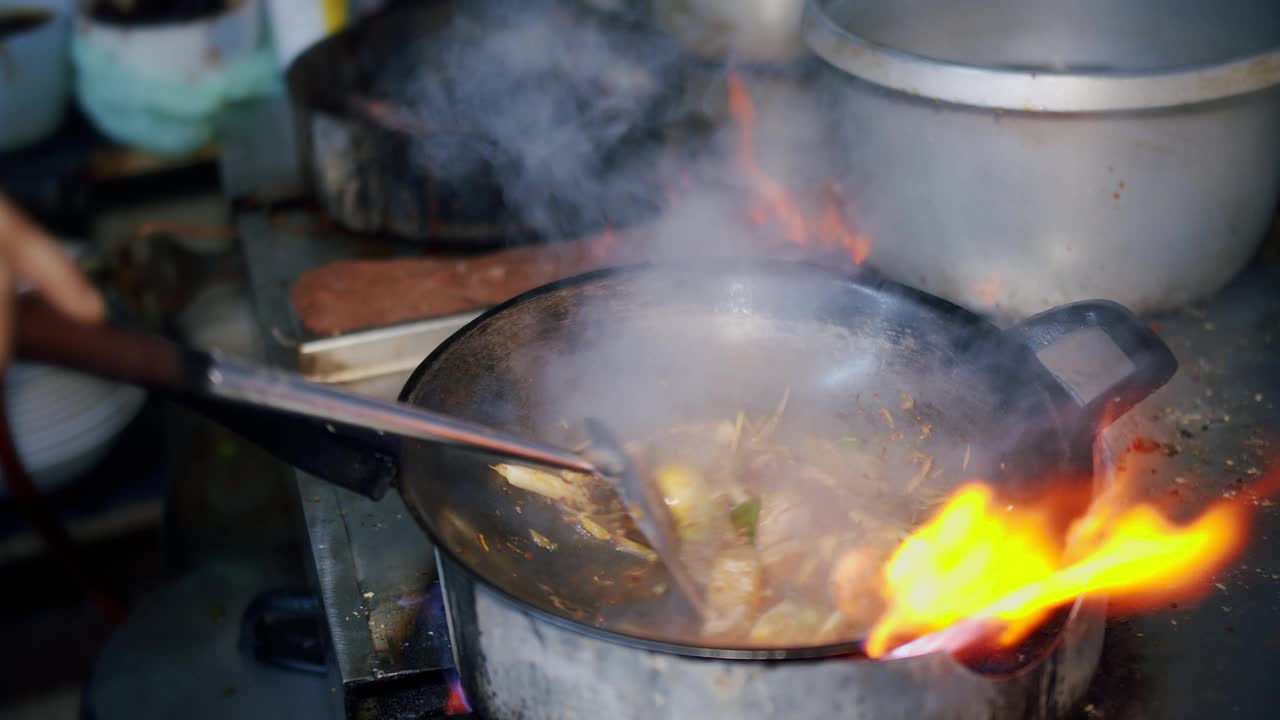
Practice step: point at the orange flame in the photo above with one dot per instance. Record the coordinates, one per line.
(832, 230)
(980, 557)
(772, 203)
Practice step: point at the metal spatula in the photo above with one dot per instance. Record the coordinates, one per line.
(46, 336)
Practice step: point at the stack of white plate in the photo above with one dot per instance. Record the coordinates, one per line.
(64, 422)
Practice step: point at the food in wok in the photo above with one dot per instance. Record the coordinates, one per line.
(784, 529)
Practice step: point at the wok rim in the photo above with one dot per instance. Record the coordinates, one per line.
(852, 650)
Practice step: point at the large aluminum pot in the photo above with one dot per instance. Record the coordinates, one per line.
(1013, 155)
(515, 665)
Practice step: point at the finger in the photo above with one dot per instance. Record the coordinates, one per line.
(43, 264)
(6, 313)
(36, 258)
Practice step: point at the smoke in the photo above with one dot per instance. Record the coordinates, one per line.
(590, 120)
(557, 104)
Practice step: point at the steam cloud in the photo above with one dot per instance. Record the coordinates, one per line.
(573, 111)
(577, 110)
(571, 107)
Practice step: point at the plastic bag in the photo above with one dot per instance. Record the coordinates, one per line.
(164, 115)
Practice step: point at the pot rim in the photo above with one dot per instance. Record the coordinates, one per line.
(1032, 91)
(853, 650)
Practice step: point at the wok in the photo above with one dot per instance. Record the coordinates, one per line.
(647, 347)
(405, 124)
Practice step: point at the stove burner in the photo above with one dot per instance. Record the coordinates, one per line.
(457, 704)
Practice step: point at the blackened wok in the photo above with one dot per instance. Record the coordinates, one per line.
(648, 347)
(395, 122)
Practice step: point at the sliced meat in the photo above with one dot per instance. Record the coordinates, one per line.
(785, 539)
(735, 592)
(856, 584)
(399, 290)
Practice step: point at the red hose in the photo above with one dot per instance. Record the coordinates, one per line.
(48, 526)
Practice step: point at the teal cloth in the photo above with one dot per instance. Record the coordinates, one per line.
(159, 114)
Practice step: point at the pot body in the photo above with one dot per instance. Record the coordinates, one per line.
(1018, 212)
(516, 665)
(1149, 189)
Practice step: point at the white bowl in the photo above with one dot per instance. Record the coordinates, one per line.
(65, 422)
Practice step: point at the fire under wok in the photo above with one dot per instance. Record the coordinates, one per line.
(797, 423)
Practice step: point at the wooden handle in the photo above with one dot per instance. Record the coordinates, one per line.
(359, 462)
(44, 335)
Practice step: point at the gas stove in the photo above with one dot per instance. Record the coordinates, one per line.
(388, 651)
(373, 571)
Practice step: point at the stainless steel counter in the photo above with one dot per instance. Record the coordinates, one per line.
(1217, 423)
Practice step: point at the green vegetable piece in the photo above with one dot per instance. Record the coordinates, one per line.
(745, 516)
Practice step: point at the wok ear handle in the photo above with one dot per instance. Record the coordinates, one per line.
(1070, 341)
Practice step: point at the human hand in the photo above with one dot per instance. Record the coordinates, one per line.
(28, 255)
